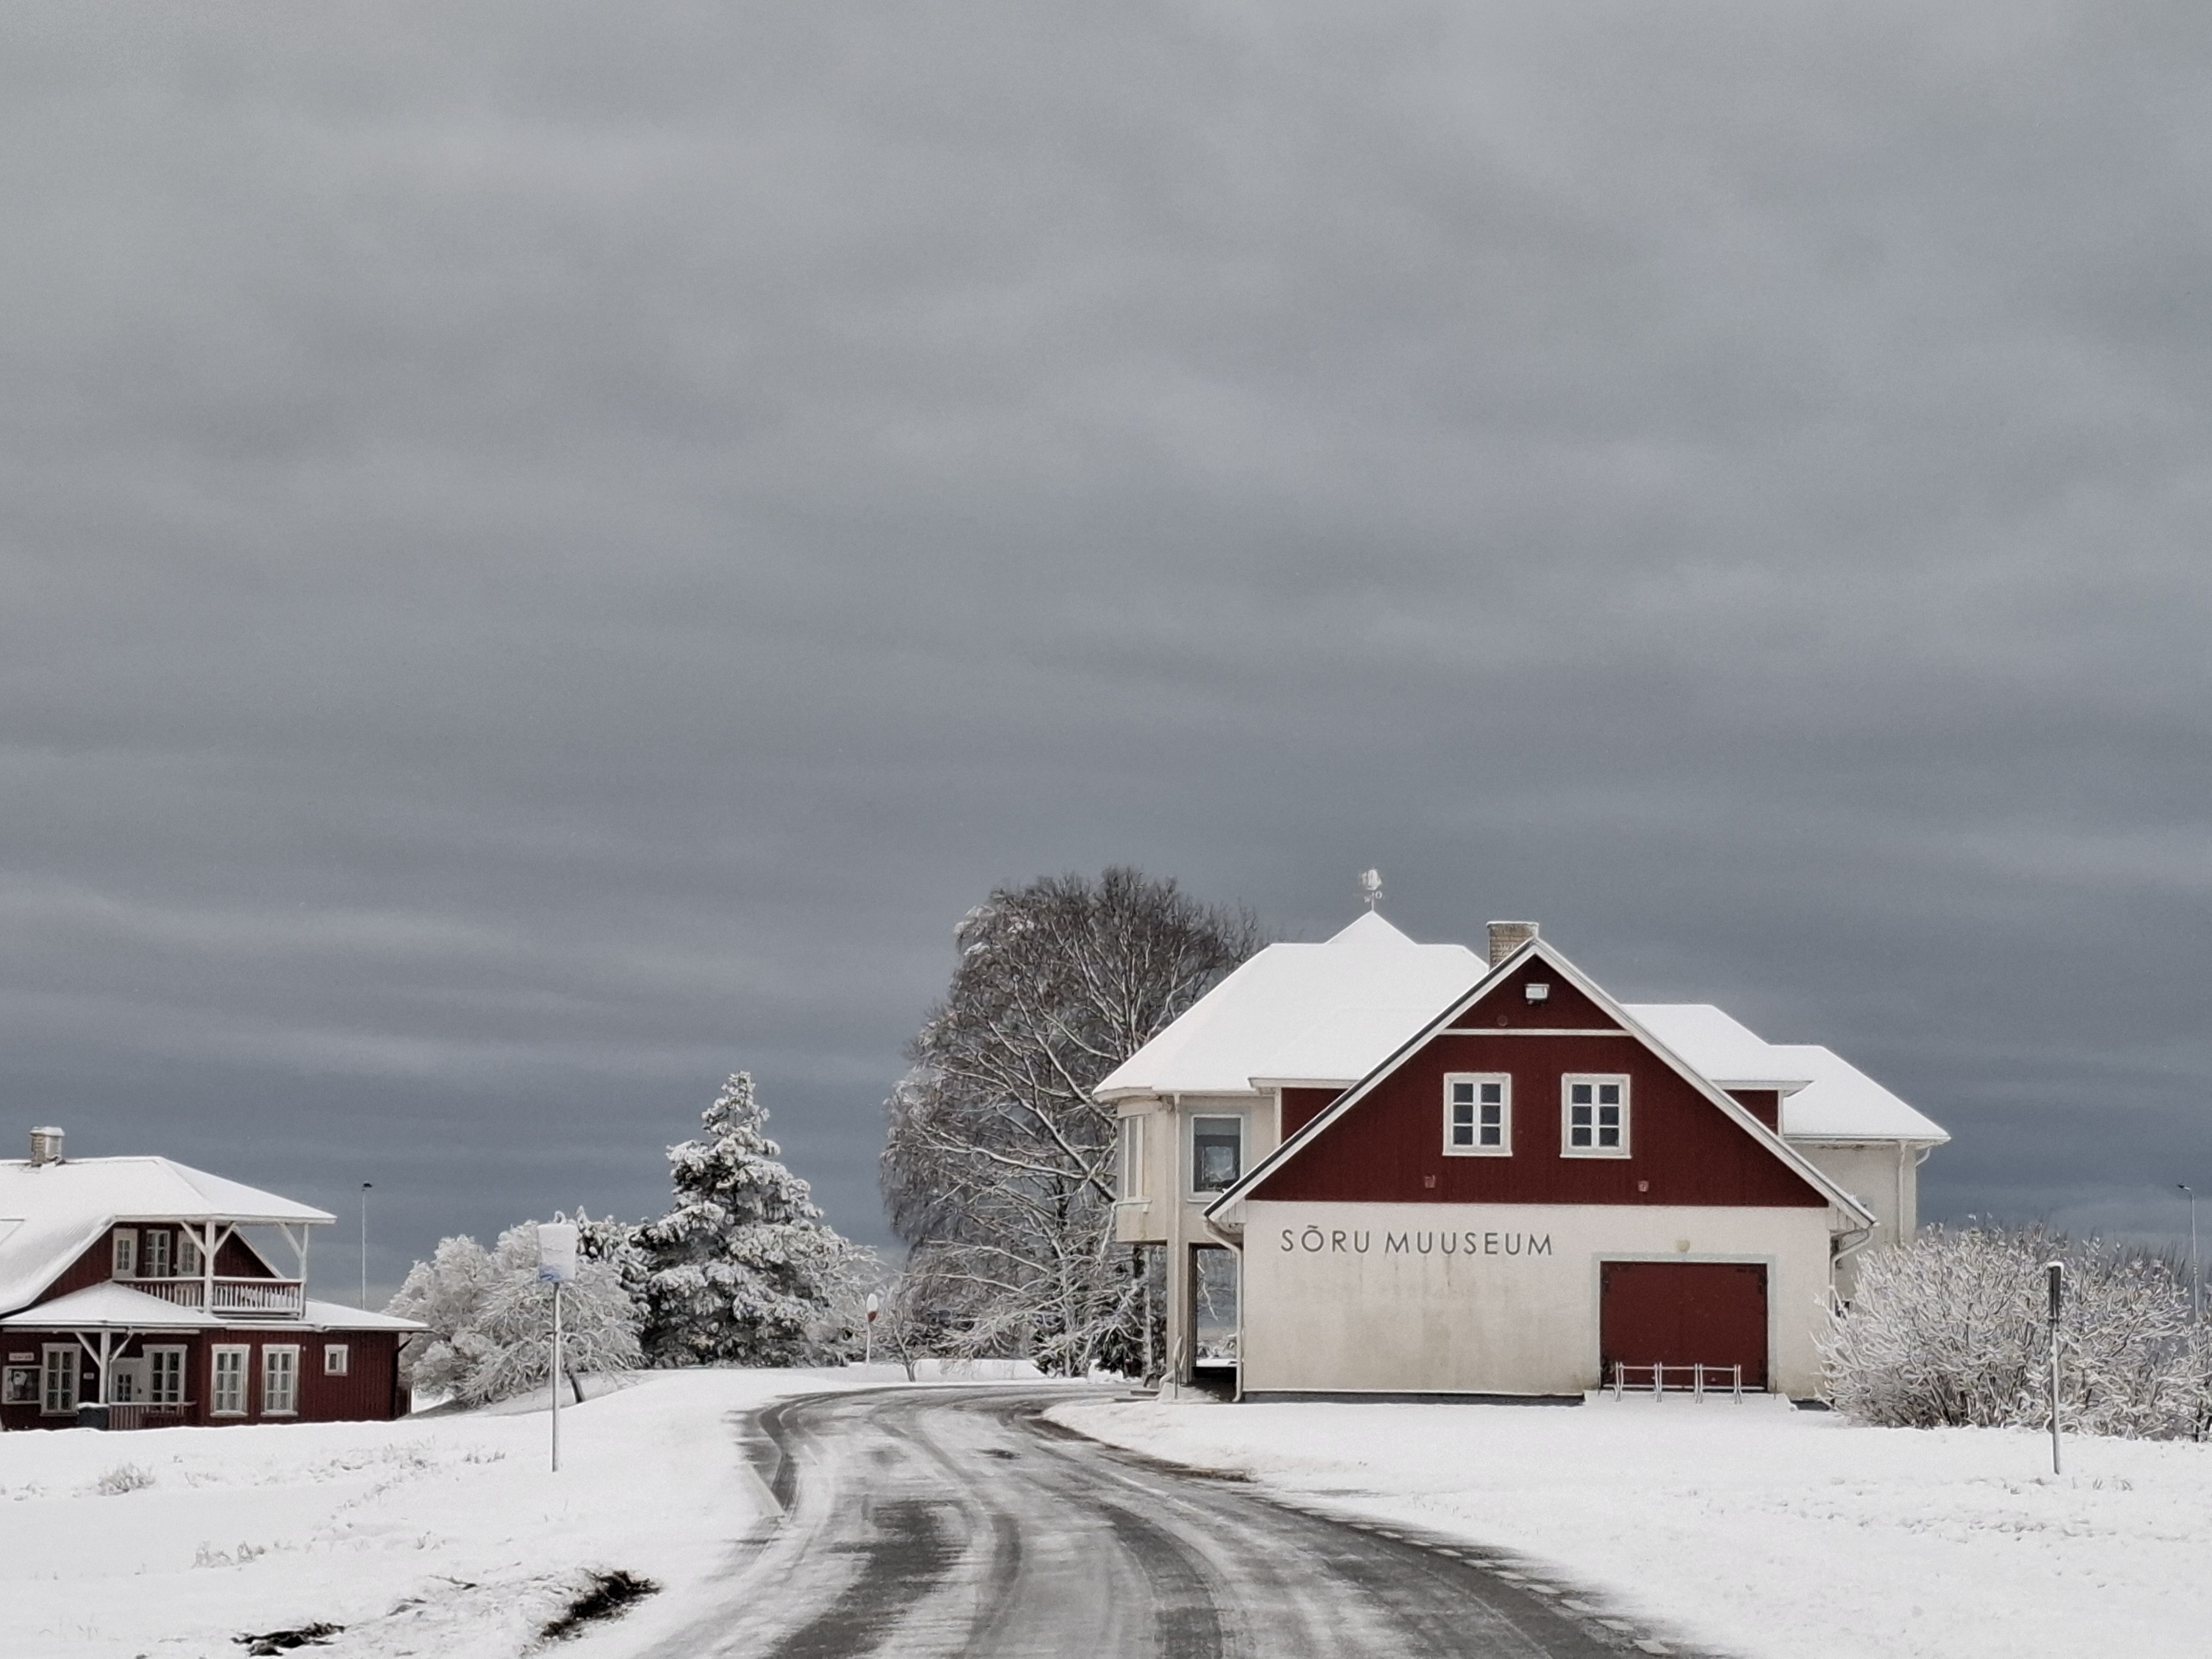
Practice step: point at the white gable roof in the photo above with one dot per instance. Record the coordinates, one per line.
(50, 1213)
(1323, 1014)
(1825, 1097)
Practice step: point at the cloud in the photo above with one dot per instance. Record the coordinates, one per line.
(551, 555)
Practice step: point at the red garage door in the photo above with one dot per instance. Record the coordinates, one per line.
(1684, 1313)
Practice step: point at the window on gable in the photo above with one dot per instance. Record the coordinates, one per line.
(1595, 1113)
(1217, 1153)
(126, 1252)
(1479, 1114)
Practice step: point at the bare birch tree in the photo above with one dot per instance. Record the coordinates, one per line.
(999, 1171)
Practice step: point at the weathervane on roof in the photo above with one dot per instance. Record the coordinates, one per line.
(1370, 886)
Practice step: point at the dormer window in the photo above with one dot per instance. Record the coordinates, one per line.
(126, 1258)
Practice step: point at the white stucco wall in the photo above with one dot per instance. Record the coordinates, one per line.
(1337, 1308)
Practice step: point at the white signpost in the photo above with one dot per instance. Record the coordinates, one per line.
(557, 1266)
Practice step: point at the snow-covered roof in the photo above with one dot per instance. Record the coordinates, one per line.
(110, 1306)
(114, 1307)
(50, 1213)
(1318, 1013)
(336, 1316)
(1825, 1097)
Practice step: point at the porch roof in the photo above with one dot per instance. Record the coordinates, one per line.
(112, 1307)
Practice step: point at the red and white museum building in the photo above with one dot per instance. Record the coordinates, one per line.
(1381, 1168)
(137, 1292)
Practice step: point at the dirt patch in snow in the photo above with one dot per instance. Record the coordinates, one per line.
(607, 1595)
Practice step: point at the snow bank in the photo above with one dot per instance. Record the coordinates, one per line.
(443, 1534)
(1754, 1528)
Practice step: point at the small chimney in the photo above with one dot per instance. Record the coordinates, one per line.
(1507, 937)
(45, 1147)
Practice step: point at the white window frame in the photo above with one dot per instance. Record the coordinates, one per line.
(185, 1263)
(1595, 1080)
(165, 1364)
(1132, 1156)
(1191, 1147)
(154, 1257)
(337, 1359)
(57, 1360)
(122, 1253)
(1473, 1082)
(280, 1361)
(216, 1355)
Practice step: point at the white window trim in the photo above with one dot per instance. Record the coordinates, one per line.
(340, 1352)
(214, 1379)
(1190, 1152)
(1505, 1148)
(47, 1353)
(269, 1353)
(1567, 1148)
(1133, 1158)
(146, 1267)
(154, 1374)
(122, 1257)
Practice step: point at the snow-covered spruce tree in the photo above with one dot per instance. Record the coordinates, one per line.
(998, 1170)
(1952, 1328)
(490, 1320)
(743, 1270)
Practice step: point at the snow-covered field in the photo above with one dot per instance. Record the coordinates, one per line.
(442, 1535)
(1757, 1529)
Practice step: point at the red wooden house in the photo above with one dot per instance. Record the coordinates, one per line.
(1378, 1167)
(136, 1291)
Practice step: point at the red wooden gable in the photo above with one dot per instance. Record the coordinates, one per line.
(1387, 1147)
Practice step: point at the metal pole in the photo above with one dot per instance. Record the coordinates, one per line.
(364, 1245)
(2057, 1270)
(557, 1377)
(2196, 1271)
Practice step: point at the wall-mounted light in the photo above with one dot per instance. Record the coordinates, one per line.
(1536, 991)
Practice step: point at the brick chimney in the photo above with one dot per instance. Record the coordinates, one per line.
(45, 1147)
(1507, 937)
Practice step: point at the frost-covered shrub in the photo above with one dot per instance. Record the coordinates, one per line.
(124, 1477)
(491, 1319)
(1952, 1328)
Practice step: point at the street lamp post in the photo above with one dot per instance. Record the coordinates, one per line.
(2196, 1271)
(365, 1186)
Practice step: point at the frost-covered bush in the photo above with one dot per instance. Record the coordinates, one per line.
(491, 1319)
(124, 1477)
(1952, 1328)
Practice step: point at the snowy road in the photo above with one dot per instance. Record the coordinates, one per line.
(926, 1523)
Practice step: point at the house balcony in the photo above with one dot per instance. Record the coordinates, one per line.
(241, 1299)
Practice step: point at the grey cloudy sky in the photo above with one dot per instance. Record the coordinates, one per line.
(550, 552)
